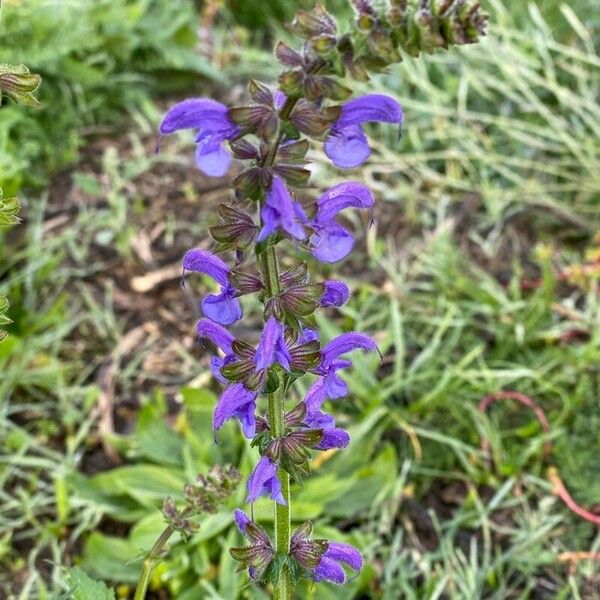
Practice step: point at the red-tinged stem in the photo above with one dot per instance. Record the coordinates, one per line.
(561, 491)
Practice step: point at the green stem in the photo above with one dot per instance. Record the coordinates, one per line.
(282, 589)
(152, 559)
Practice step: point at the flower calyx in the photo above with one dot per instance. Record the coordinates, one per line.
(237, 231)
(259, 554)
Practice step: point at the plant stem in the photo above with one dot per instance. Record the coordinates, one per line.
(152, 559)
(282, 589)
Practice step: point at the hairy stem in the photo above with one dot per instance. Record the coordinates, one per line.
(282, 589)
(267, 261)
(152, 559)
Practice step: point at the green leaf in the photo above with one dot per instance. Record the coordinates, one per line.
(228, 578)
(85, 588)
(112, 558)
(148, 484)
(156, 441)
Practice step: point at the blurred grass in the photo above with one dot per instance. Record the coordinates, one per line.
(100, 61)
(495, 182)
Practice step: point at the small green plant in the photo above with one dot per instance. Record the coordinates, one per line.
(205, 495)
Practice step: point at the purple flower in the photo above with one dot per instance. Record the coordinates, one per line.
(218, 335)
(336, 293)
(314, 399)
(331, 363)
(347, 144)
(214, 126)
(239, 403)
(246, 367)
(223, 339)
(241, 520)
(315, 418)
(330, 567)
(223, 308)
(330, 241)
(307, 335)
(272, 347)
(333, 437)
(264, 481)
(282, 211)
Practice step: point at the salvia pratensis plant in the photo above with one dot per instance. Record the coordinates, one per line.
(270, 137)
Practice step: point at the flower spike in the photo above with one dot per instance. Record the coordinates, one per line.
(271, 135)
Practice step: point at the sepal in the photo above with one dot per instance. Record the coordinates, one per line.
(287, 56)
(306, 551)
(292, 174)
(295, 276)
(293, 152)
(306, 356)
(302, 301)
(311, 121)
(253, 182)
(243, 150)
(246, 283)
(313, 23)
(260, 92)
(258, 556)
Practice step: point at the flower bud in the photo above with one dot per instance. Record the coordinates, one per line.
(210, 490)
(380, 43)
(314, 23)
(323, 44)
(292, 83)
(19, 84)
(317, 87)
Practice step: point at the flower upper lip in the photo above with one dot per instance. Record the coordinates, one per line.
(211, 119)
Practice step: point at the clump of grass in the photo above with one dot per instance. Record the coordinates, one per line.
(100, 61)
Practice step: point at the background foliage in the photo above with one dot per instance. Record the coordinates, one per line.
(479, 274)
